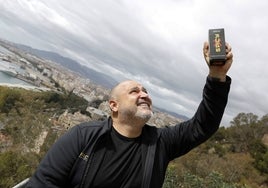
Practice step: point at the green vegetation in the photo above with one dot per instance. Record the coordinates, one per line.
(24, 116)
(15, 166)
(235, 157)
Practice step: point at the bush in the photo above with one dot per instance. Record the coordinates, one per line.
(171, 179)
(16, 167)
(8, 99)
(213, 180)
(260, 154)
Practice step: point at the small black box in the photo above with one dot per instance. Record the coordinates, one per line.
(217, 49)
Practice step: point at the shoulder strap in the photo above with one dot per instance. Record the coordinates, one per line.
(148, 168)
(150, 140)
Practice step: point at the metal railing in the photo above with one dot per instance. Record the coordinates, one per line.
(22, 184)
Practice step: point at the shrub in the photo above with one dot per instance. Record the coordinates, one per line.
(16, 167)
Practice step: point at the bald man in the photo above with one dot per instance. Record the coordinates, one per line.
(123, 151)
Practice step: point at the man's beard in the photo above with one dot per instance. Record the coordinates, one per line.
(139, 115)
(143, 116)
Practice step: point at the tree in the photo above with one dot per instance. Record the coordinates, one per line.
(244, 119)
(245, 128)
(264, 120)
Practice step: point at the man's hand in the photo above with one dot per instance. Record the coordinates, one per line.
(216, 71)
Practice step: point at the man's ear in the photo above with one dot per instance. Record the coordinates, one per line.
(113, 105)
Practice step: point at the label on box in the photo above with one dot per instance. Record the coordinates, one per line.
(217, 49)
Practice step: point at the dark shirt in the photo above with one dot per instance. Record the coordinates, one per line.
(121, 165)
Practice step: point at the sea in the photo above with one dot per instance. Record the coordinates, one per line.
(8, 79)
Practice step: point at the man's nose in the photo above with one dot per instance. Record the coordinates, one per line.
(145, 95)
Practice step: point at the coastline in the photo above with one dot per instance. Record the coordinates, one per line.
(27, 87)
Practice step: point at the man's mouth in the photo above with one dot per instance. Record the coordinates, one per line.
(146, 104)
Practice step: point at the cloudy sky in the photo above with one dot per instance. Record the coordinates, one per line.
(156, 42)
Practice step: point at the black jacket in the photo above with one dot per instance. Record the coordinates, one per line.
(74, 159)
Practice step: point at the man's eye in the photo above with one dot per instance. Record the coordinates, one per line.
(145, 91)
(133, 91)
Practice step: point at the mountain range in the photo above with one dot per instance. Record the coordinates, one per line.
(86, 72)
